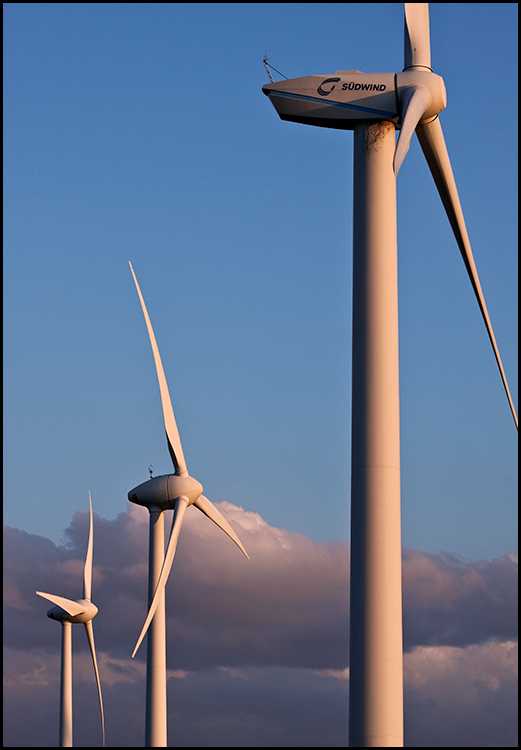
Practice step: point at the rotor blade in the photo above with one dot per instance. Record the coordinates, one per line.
(414, 102)
(180, 507)
(87, 570)
(417, 42)
(433, 145)
(172, 434)
(72, 608)
(209, 509)
(90, 637)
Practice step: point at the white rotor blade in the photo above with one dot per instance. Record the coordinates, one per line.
(414, 102)
(417, 41)
(72, 608)
(87, 570)
(209, 509)
(172, 433)
(180, 507)
(90, 637)
(433, 145)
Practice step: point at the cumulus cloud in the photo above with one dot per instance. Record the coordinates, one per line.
(466, 694)
(261, 643)
(450, 602)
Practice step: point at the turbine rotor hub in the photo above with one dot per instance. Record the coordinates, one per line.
(435, 85)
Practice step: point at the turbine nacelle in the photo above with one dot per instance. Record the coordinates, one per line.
(89, 611)
(343, 99)
(164, 490)
(336, 101)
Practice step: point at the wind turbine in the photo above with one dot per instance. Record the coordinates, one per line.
(374, 106)
(68, 612)
(169, 492)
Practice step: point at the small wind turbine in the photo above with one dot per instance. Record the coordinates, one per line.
(374, 105)
(169, 492)
(68, 612)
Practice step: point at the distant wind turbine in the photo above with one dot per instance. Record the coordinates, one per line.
(374, 105)
(68, 612)
(170, 492)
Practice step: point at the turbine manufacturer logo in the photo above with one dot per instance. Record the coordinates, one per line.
(321, 91)
(350, 86)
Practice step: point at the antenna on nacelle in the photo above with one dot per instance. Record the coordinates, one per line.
(268, 71)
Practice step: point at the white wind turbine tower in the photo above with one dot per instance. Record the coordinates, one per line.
(170, 492)
(374, 106)
(68, 612)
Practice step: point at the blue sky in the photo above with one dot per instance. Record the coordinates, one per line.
(139, 132)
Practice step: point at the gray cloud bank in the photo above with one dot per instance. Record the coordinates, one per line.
(258, 649)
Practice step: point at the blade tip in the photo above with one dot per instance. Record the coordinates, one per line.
(136, 647)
